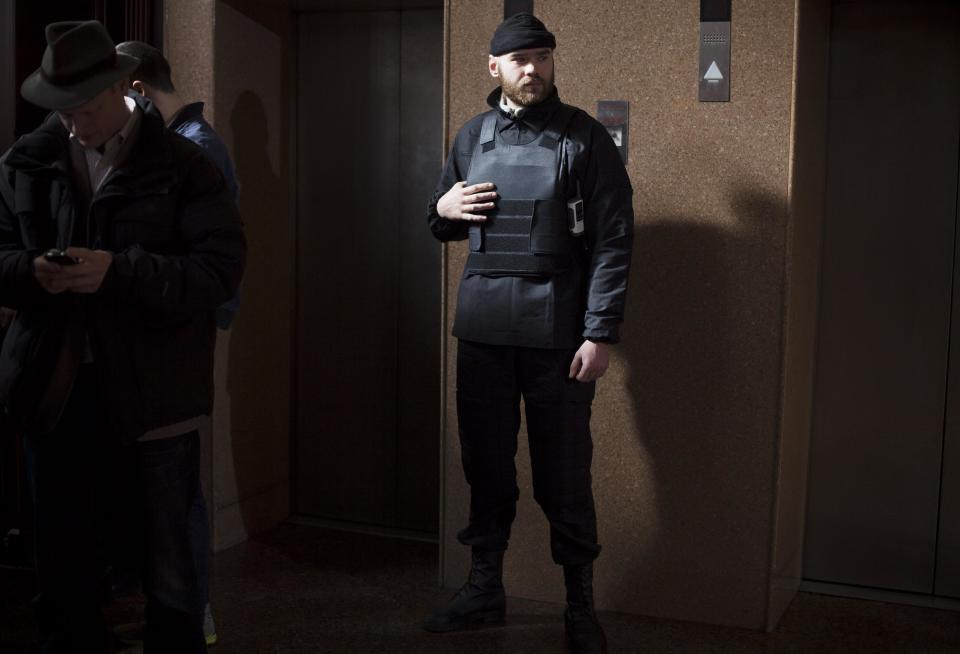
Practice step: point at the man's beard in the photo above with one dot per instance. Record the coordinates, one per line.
(526, 96)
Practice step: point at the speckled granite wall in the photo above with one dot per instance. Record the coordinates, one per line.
(688, 425)
(188, 46)
(234, 56)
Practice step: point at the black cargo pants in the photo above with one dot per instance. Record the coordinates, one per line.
(491, 379)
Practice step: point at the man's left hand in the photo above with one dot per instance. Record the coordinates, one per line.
(86, 276)
(590, 362)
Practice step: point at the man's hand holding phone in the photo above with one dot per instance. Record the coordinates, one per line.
(75, 269)
(60, 257)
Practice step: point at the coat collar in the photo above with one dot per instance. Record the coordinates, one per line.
(188, 112)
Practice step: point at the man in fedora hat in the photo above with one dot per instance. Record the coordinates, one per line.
(118, 240)
(540, 192)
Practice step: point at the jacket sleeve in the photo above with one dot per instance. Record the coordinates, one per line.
(18, 284)
(206, 272)
(455, 170)
(608, 204)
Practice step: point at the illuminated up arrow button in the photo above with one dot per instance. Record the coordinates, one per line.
(713, 73)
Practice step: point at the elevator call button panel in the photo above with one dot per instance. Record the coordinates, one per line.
(714, 71)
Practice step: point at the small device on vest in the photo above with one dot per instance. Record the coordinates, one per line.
(575, 213)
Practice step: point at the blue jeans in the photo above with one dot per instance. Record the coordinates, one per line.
(200, 540)
(93, 497)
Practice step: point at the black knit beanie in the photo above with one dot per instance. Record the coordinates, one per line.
(520, 32)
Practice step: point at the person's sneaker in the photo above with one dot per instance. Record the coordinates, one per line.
(132, 633)
(209, 628)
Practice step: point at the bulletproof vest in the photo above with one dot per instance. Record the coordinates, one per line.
(528, 231)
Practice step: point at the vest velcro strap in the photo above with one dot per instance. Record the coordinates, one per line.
(514, 225)
(515, 207)
(516, 264)
(527, 207)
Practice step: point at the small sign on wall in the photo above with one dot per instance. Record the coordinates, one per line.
(615, 116)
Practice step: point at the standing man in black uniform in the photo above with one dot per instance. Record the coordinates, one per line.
(540, 191)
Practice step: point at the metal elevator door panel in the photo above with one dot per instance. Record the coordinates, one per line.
(885, 297)
(369, 130)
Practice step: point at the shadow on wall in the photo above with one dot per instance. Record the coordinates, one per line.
(251, 385)
(701, 349)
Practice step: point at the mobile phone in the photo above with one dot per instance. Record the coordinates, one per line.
(60, 257)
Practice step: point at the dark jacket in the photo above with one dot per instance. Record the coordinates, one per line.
(189, 122)
(586, 301)
(179, 252)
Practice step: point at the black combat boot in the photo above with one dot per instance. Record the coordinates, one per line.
(480, 600)
(584, 633)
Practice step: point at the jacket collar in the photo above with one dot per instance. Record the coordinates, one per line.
(535, 117)
(41, 152)
(188, 112)
(45, 151)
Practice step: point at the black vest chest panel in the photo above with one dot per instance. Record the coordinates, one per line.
(527, 233)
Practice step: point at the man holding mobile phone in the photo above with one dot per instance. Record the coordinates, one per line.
(61, 257)
(108, 366)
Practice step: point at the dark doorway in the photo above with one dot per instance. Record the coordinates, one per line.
(369, 151)
(884, 493)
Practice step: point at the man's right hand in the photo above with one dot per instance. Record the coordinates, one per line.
(49, 275)
(463, 202)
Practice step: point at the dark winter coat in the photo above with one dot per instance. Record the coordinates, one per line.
(178, 252)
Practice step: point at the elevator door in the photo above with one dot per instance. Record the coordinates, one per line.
(883, 507)
(369, 151)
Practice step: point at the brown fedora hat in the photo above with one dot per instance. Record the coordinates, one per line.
(79, 62)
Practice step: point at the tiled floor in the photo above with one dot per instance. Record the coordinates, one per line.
(307, 590)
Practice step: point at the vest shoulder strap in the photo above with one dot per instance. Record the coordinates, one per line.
(489, 128)
(558, 124)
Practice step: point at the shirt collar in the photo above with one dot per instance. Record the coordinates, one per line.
(535, 117)
(510, 111)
